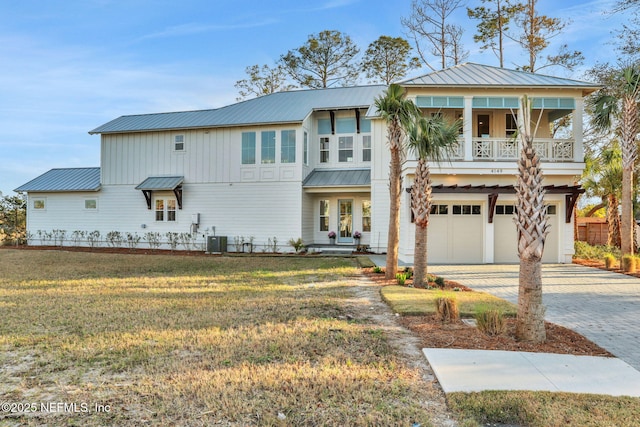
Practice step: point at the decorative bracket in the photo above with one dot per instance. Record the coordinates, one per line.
(493, 198)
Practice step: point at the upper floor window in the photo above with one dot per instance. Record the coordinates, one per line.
(178, 143)
(366, 148)
(345, 149)
(324, 149)
(39, 204)
(288, 146)
(268, 147)
(511, 127)
(305, 148)
(248, 148)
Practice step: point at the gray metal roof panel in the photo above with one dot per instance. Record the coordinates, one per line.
(471, 74)
(338, 178)
(59, 180)
(279, 107)
(158, 183)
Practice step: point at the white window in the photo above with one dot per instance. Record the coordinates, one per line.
(324, 149)
(366, 148)
(39, 204)
(248, 148)
(345, 149)
(165, 209)
(91, 204)
(268, 146)
(366, 215)
(288, 146)
(178, 143)
(305, 148)
(324, 215)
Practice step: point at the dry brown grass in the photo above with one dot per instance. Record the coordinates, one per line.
(172, 340)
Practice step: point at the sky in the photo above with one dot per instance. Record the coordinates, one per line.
(69, 66)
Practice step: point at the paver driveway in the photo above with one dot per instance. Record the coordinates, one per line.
(601, 305)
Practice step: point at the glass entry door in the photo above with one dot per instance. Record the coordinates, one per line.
(345, 226)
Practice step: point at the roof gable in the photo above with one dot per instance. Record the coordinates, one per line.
(471, 74)
(279, 107)
(58, 180)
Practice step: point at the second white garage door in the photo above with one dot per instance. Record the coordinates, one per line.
(505, 236)
(456, 233)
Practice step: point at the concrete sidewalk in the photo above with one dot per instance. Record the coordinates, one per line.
(478, 370)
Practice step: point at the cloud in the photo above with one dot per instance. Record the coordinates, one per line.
(198, 28)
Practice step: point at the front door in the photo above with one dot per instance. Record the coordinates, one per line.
(345, 226)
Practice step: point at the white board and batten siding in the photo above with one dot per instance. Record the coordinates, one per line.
(209, 156)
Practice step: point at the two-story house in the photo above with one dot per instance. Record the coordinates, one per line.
(305, 163)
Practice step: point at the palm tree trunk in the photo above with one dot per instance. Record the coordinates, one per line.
(532, 226)
(613, 221)
(421, 205)
(530, 321)
(395, 192)
(628, 131)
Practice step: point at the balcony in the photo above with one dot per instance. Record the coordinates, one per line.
(507, 149)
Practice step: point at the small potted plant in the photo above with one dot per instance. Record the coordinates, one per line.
(332, 237)
(356, 237)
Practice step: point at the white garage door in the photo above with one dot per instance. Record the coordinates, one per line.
(456, 233)
(505, 236)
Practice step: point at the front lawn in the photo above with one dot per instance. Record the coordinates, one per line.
(177, 340)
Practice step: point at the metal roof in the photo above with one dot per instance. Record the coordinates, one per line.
(279, 107)
(57, 180)
(157, 183)
(471, 74)
(338, 178)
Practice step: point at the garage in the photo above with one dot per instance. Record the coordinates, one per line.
(456, 233)
(505, 235)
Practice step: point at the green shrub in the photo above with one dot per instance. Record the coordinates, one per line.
(490, 322)
(629, 263)
(587, 251)
(447, 309)
(297, 245)
(401, 278)
(408, 271)
(610, 260)
(378, 270)
(440, 282)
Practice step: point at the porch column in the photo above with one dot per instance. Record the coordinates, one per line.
(468, 128)
(578, 147)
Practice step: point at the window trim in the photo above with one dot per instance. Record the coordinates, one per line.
(268, 136)
(169, 210)
(366, 149)
(326, 214)
(42, 200)
(88, 199)
(325, 149)
(247, 145)
(368, 228)
(289, 149)
(182, 141)
(344, 150)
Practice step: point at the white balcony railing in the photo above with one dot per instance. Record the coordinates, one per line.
(497, 149)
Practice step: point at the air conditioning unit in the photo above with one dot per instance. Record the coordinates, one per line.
(216, 244)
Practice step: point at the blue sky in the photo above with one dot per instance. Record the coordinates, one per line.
(72, 65)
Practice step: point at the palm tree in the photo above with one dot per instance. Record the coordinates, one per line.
(532, 226)
(602, 178)
(431, 138)
(619, 105)
(399, 112)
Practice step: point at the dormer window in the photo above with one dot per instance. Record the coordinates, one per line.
(178, 143)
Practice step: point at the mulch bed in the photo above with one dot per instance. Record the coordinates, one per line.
(436, 334)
